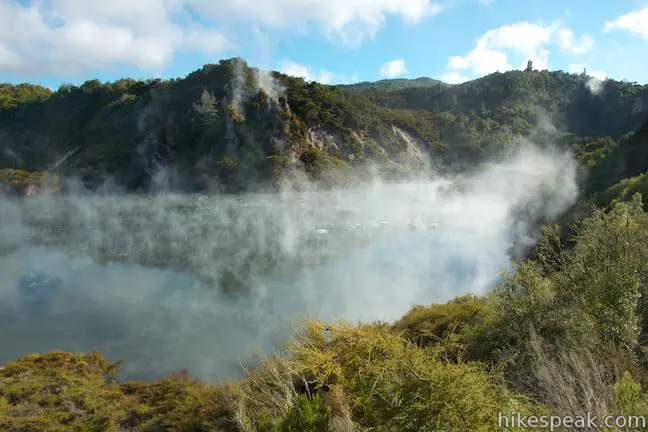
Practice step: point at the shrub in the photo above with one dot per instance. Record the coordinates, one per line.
(59, 392)
(395, 385)
(308, 415)
(427, 325)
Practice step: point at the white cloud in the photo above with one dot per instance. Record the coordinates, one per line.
(568, 42)
(322, 76)
(453, 78)
(599, 75)
(8, 59)
(206, 41)
(481, 61)
(523, 40)
(489, 56)
(393, 69)
(291, 68)
(71, 36)
(523, 37)
(352, 21)
(635, 22)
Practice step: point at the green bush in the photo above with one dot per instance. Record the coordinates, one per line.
(395, 385)
(428, 325)
(590, 294)
(60, 392)
(308, 415)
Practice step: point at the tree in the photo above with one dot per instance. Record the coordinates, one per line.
(529, 67)
(91, 85)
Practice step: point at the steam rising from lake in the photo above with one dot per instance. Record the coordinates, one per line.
(170, 282)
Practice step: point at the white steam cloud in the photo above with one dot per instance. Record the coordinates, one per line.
(595, 78)
(595, 84)
(168, 282)
(265, 81)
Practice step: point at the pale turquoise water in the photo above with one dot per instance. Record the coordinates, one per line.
(173, 282)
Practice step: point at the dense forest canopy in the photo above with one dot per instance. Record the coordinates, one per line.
(231, 126)
(388, 85)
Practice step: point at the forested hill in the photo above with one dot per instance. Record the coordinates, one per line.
(395, 84)
(230, 126)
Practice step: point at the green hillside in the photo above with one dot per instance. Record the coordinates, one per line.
(235, 126)
(390, 85)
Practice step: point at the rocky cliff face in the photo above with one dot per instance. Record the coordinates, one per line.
(35, 189)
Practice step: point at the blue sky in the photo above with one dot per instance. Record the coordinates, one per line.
(332, 41)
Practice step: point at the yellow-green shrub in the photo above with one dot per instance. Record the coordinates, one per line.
(428, 325)
(60, 392)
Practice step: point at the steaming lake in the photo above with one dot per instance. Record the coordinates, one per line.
(205, 283)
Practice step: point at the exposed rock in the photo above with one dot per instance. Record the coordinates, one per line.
(24, 183)
(33, 190)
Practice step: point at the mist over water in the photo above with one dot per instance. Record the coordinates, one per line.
(204, 282)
